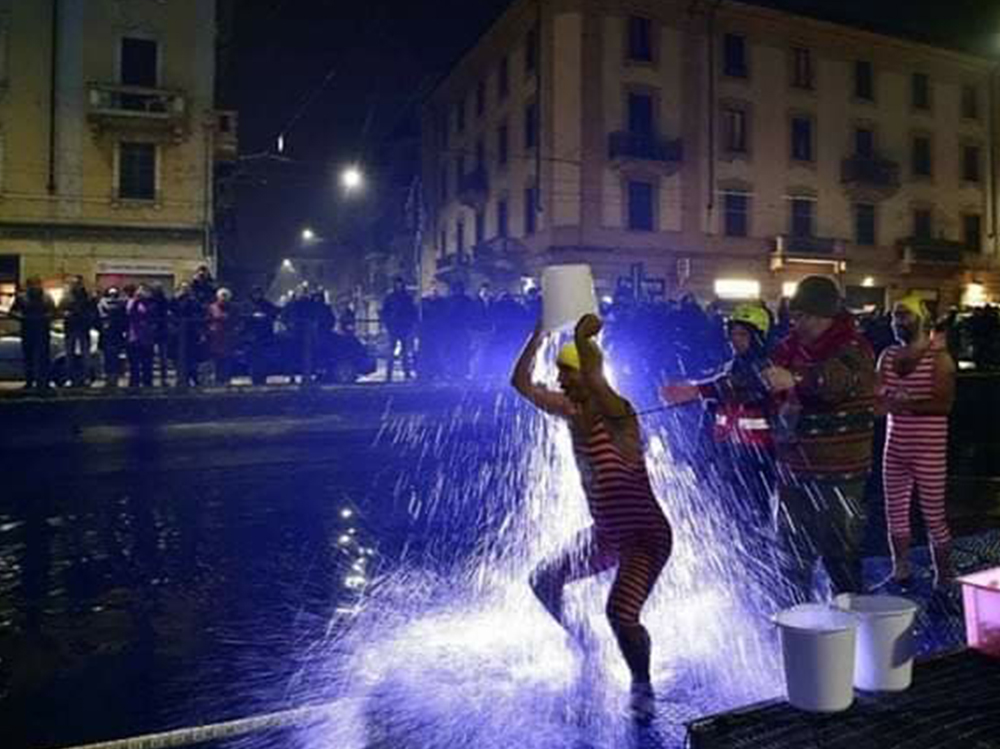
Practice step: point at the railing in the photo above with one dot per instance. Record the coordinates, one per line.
(932, 251)
(870, 171)
(790, 244)
(644, 147)
(134, 101)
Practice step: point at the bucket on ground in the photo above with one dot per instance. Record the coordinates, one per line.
(884, 655)
(817, 646)
(567, 295)
(981, 602)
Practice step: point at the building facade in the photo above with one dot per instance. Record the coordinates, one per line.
(109, 138)
(716, 148)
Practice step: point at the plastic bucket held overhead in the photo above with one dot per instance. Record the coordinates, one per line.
(817, 646)
(567, 295)
(884, 660)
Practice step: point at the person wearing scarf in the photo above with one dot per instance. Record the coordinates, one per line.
(822, 380)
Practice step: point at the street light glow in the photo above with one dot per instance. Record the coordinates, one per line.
(351, 178)
(308, 235)
(868, 282)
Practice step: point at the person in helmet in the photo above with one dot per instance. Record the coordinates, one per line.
(630, 534)
(738, 403)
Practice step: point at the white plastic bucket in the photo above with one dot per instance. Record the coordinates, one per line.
(884, 660)
(567, 295)
(817, 646)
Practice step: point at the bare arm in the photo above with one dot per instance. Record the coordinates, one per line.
(537, 395)
(609, 402)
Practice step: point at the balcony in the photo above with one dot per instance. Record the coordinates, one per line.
(810, 250)
(626, 146)
(944, 253)
(150, 110)
(869, 177)
(474, 188)
(226, 138)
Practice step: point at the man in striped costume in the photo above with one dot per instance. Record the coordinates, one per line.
(823, 381)
(917, 389)
(630, 532)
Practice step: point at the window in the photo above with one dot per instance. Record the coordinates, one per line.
(444, 184)
(640, 206)
(970, 163)
(736, 206)
(460, 237)
(480, 227)
(864, 142)
(972, 232)
(802, 68)
(480, 155)
(921, 156)
(459, 169)
(503, 79)
(923, 227)
(460, 116)
(864, 84)
(531, 125)
(530, 210)
(502, 222)
(802, 148)
(734, 127)
(137, 171)
(531, 51)
(443, 242)
(864, 224)
(640, 114)
(139, 62)
(640, 47)
(921, 91)
(734, 56)
(802, 217)
(480, 98)
(970, 103)
(502, 145)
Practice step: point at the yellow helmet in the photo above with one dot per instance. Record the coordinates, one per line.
(752, 314)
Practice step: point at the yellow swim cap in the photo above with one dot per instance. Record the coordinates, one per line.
(914, 305)
(569, 356)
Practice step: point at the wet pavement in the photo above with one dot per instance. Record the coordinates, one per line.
(168, 574)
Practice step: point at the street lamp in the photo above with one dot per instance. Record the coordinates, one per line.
(308, 235)
(351, 178)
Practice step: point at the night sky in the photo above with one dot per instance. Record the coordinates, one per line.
(382, 56)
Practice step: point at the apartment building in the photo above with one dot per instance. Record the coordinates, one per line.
(712, 147)
(109, 137)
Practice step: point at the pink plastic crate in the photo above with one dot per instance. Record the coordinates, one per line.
(981, 598)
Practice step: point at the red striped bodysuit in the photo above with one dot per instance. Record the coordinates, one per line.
(916, 453)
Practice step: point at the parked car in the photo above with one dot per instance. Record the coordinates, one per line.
(336, 358)
(12, 361)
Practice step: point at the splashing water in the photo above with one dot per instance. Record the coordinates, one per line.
(450, 648)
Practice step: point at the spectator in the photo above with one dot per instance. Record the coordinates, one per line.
(113, 317)
(35, 311)
(262, 317)
(188, 317)
(79, 318)
(433, 332)
(141, 337)
(161, 326)
(823, 380)
(399, 316)
(222, 326)
(203, 286)
(460, 314)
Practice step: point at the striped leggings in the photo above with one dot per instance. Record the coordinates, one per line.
(639, 562)
(926, 467)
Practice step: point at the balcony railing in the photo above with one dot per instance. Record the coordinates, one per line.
(644, 147)
(474, 188)
(870, 172)
(932, 251)
(111, 105)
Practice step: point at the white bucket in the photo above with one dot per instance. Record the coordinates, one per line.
(884, 661)
(567, 295)
(817, 646)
